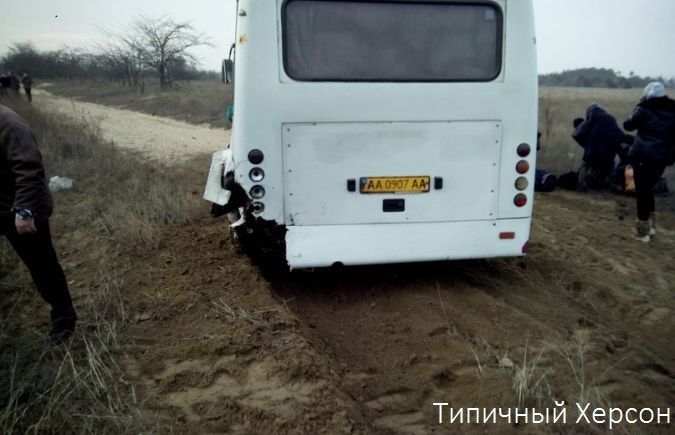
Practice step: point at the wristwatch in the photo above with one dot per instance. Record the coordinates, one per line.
(24, 214)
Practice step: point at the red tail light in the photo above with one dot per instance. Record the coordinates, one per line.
(520, 200)
(522, 167)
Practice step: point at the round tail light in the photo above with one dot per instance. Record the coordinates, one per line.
(256, 175)
(522, 167)
(258, 207)
(524, 150)
(522, 183)
(256, 156)
(520, 200)
(257, 192)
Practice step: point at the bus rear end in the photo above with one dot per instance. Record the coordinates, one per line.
(390, 131)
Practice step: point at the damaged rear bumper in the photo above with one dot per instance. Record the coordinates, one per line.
(323, 246)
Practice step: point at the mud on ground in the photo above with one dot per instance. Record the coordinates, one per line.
(215, 347)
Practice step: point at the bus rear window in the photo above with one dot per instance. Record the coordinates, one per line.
(333, 40)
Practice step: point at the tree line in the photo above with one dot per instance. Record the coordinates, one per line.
(160, 47)
(599, 78)
(152, 46)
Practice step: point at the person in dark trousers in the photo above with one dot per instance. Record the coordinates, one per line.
(600, 136)
(14, 83)
(652, 150)
(27, 83)
(5, 83)
(25, 208)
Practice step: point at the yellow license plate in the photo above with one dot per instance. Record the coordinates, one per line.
(394, 184)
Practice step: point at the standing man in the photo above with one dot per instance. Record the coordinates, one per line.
(652, 150)
(5, 83)
(25, 208)
(27, 82)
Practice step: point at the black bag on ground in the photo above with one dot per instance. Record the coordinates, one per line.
(568, 181)
(544, 181)
(661, 187)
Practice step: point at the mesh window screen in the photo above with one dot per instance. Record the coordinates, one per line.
(391, 41)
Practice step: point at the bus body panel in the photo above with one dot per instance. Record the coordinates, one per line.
(323, 246)
(266, 99)
(461, 158)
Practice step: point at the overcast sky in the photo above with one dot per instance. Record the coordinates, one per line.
(626, 35)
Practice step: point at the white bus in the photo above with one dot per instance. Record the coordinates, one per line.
(382, 131)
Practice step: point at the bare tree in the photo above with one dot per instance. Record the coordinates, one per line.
(151, 45)
(23, 56)
(66, 62)
(122, 57)
(164, 42)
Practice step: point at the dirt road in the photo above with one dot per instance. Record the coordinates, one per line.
(213, 346)
(160, 138)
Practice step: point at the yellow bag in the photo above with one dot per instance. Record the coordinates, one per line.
(628, 176)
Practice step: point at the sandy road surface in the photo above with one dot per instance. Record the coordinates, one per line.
(216, 347)
(161, 138)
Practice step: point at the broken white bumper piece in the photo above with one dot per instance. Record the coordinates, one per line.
(221, 163)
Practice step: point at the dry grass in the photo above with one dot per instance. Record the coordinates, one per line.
(74, 387)
(123, 202)
(206, 101)
(196, 102)
(119, 203)
(119, 195)
(563, 369)
(557, 109)
(233, 314)
(530, 381)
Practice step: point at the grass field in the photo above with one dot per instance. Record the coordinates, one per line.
(196, 102)
(206, 101)
(118, 203)
(217, 317)
(557, 109)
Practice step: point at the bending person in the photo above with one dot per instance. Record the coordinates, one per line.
(601, 137)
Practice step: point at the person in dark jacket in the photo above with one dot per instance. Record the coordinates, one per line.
(651, 152)
(14, 83)
(5, 83)
(25, 208)
(601, 137)
(27, 82)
